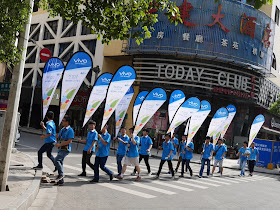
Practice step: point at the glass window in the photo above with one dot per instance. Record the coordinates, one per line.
(53, 25)
(32, 28)
(277, 16)
(91, 45)
(32, 58)
(62, 47)
(47, 34)
(68, 55)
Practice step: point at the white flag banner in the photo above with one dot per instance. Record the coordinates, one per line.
(255, 128)
(231, 113)
(120, 84)
(53, 71)
(97, 95)
(197, 119)
(122, 109)
(187, 127)
(175, 101)
(137, 104)
(75, 72)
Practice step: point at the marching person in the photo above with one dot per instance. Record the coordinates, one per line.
(182, 146)
(121, 152)
(243, 154)
(146, 146)
(89, 148)
(132, 156)
(49, 138)
(207, 156)
(175, 143)
(220, 151)
(103, 149)
(168, 149)
(65, 138)
(187, 156)
(254, 156)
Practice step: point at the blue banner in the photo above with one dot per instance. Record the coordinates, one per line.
(176, 99)
(137, 103)
(265, 150)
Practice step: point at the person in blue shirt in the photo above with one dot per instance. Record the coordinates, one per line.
(181, 149)
(50, 140)
(145, 150)
(207, 154)
(175, 143)
(220, 151)
(89, 148)
(253, 158)
(187, 155)
(103, 149)
(168, 149)
(121, 152)
(132, 156)
(65, 138)
(244, 153)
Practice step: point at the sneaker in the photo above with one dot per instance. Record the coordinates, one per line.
(149, 173)
(176, 170)
(111, 177)
(168, 172)
(207, 176)
(219, 172)
(59, 183)
(83, 174)
(181, 175)
(221, 175)
(157, 177)
(191, 173)
(250, 174)
(212, 174)
(38, 168)
(199, 176)
(94, 181)
(240, 175)
(59, 177)
(173, 177)
(133, 174)
(119, 177)
(138, 178)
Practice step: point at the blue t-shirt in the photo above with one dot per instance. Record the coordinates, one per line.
(50, 128)
(253, 153)
(67, 133)
(92, 136)
(207, 150)
(189, 154)
(103, 150)
(145, 142)
(176, 142)
(242, 151)
(123, 148)
(133, 149)
(220, 151)
(167, 147)
(182, 147)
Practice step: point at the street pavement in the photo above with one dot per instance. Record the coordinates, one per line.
(228, 192)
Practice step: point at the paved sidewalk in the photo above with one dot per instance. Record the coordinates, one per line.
(23, 183)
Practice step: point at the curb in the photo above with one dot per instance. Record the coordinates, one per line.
(26, 199)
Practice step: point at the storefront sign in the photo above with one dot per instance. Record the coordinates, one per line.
(4, 87)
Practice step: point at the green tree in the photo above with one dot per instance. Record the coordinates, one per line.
(275, 108)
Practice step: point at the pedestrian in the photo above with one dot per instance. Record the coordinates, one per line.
(121, 152)
(220, 152)
(175, 143)
(186, 158)
(89, 148)
(103, 149)
(207, 153)
(49, 138)
(168, 149)
(224, 144)
(132, 156)
(145, 150)
(182, 146)
(254, 156)
(65, 138)
(243, 152)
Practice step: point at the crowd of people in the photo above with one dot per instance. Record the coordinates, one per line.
(133, 150)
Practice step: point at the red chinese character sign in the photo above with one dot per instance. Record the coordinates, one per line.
(266, 36)
(217, 19)
(248, 25)
(185, 12)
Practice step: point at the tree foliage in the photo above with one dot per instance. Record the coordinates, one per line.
(13, 14)
(275, 108)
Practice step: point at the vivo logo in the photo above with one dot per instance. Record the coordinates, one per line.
(54, 65)
(80, 61)
(230, 109)
(221, 113)
(204, 106)
(157, 95)
(123, 74)
(259, 119)
(191, 103)
(141, 98)
(83, 72)
(105, 80)
(177, 96)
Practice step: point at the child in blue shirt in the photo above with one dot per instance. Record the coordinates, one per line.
(253, 158)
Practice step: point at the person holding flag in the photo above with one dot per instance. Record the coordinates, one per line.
(121, 152)
(103, 149)
(89, 148)
(207, 155)
(175, 143)
(132, 156)
(253, 158)
(182, 146)
(49, 138)
(168, 149)
(220, 151)
(187, 156)
(244, 153)
(144, 153)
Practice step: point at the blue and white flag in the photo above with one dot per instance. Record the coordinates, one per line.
(76, 71)
(231, 113)
(137, 104)
(97, 95)
(176, 99)
(52, 73)
(120, 84)
(153, 101)
(255, 128)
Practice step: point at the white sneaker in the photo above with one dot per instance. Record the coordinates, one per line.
(133, 174)
(173, 177)
(199, 176)
(207, 176)
(149, 173)
(221, 175)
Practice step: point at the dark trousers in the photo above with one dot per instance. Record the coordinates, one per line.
(100, 161)
(251, 165)
(146, 159)
(187, 162)
(86, 160)
(47, 147)
(178, 164)
(203, 161)
(119, 162)
(169, 165)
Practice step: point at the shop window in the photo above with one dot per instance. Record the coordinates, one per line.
(47, 34)
(68, 55)
(71, 31)
(273, 65)
(86, 30)
(32, 58)
(91, 45)
(62, 47)
(277, 15)
(28, 81)
(53, 25)
(35, 36)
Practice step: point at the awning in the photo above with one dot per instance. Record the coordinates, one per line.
(271, 131)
